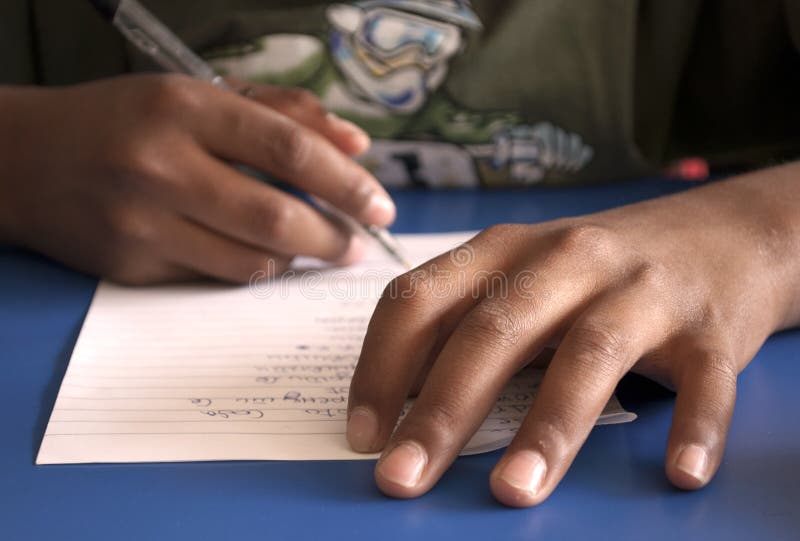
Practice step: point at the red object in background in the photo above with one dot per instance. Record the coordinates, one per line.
(691, 169)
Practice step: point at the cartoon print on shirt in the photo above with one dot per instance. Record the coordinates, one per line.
(382, 64)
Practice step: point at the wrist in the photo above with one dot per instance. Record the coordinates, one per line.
(746, 228)
(771, 200)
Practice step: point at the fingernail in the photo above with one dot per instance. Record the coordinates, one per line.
(362, 429)
(693, 460)
(404, 465)
(380, 210)
(525, 471)
(355, 251)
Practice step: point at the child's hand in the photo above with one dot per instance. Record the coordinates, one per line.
(132, 178)
(683, 289)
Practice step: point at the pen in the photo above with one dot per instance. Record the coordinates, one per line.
(154, 39)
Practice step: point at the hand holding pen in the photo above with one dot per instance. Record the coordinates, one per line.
(133, 178)
(151, 37)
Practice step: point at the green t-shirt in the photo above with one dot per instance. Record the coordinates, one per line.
(482, 92)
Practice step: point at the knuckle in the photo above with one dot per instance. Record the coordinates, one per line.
(585, 239)
(651, 275)
(413, 288)
(394, 287)
(720, 369)
(717, 377)
(170, 95)
(714, 317)
(497, 238)
(274, 220)
(551, 432)
(239, 126)
(302, 98)
(292, 147)
(132, 227)
(442, 419)
(358, 192)
(501, 232)
(141, 167)
(600, 349)
(497, 320)
(133, 166)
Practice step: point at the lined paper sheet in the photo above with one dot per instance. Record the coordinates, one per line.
(261, 372)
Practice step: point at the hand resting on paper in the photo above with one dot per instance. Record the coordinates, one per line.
(682, 289)
(131, 178)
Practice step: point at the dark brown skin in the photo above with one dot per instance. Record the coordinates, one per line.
(131, 178)
(683, 289)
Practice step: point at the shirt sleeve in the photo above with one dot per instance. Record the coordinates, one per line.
(792, 8)
(17, 56)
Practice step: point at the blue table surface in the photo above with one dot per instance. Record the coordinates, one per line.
(615, 490)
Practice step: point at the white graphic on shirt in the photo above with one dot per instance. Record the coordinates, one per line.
(384, 67)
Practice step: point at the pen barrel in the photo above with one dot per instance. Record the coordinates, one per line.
(147, 33)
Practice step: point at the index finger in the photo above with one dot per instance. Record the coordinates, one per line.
(243, 131)
(413, 317)
(304, 107)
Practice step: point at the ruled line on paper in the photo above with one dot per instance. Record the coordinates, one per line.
(212, 372)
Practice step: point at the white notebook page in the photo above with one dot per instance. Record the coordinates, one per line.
(259, 372)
